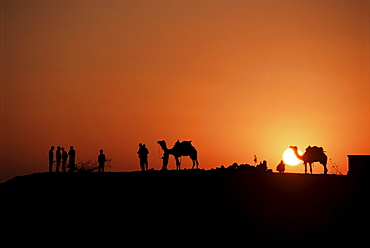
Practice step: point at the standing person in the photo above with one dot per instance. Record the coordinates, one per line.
(51, 158)
(58, 156)
(165, 159)
(143, 156)
(64, 159)
(72, 159)
(101, 160)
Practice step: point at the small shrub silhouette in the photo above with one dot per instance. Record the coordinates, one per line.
(91, 165)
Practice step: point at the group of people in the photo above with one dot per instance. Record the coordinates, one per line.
(61, 157)
(143, 156)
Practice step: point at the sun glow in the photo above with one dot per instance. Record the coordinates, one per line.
(290, 158)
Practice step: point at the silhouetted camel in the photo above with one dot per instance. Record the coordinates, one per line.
(312, 154)
(184, 148)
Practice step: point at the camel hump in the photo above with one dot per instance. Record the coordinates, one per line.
(315, 151)
(183, 145)
(315, 148)
(186, 142)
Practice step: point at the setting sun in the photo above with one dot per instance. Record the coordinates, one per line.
(290, 158)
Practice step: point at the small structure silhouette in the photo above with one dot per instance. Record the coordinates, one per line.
(359, 165)
(64, 159)
(312, 154)
(234, 166)
(72, 159)
(51, 158)
(101, 160)
(184, 148)
(281, 167)
(143, 156)
(58, 156)
(246, 167)
(262, 166)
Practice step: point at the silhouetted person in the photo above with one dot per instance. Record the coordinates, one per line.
(143, 156)
(51, 159)
(58, 156)
(255, 159)
(101, 161)
(165, 158)
(281, 167)
(64, 159)
(72, 159)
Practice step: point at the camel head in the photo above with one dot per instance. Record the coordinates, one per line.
(295, 149)
(163, 144)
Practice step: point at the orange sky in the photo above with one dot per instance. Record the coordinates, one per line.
(237, 77)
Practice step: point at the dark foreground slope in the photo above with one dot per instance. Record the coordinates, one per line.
(195, 207)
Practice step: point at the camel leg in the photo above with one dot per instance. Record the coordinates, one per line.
(195, 164)
(305, 168)
(325, 170)
(311, 168)
(178, 163)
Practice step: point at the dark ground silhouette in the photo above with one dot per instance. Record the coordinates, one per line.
(193, 207)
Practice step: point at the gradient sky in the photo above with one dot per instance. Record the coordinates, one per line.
(237, 78)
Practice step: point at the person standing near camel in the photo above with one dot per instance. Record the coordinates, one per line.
(143, 156)
(51, 158)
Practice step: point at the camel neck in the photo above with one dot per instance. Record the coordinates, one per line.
(297, 154)
(164, 147)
